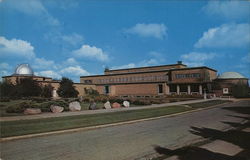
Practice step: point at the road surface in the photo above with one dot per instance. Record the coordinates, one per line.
(123, 142)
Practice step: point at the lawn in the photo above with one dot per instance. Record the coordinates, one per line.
(23, 127)
(14, 128)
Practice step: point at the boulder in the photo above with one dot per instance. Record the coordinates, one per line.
(32, 111)
(116, 105)
(107, 105)
(74, 106)
(92, 106)
(126, 103)
(56, 109)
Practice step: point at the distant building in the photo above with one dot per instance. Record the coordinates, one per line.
(25, 71)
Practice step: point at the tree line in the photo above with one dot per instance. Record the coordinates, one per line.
(27, 87)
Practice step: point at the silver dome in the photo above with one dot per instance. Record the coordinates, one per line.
(24, 69)
(231, 75)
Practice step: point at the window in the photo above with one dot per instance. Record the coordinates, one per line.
(160, 88)
(106, 89)
(192, 75)
(225, 90)
(88, 81)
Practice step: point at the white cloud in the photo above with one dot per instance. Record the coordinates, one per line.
(149, 30)
(74, 70)
(33, 8)
(4, 65)
(197, 59)
(91, 52)
(49, 73)
(143, 63)
(73, 39)
(227, 35)
(231, 9)
(71, 61)
(15, 47)
(42, 63)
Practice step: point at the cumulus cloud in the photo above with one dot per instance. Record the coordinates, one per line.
(196, 58)
(148, 30)
(227, 35)
(42, 63)
(71, 61)
(33, 8)
(15, 47)
(73, 39)
(74, 70)
(49, 73)
(143, 63)
(231, 9)
(91, 52)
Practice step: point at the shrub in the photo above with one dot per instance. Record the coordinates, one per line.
(5, 100)
(19, 108)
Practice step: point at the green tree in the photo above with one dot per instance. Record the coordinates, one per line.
(47, 91)
(66, 88)
(27, 87)
(7, 89)
(240, 90)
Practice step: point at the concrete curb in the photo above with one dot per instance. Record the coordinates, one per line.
(105, 125)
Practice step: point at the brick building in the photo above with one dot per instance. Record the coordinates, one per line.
(154, 80)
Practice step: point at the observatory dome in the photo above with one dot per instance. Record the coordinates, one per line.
(231, 75)
(24, 69)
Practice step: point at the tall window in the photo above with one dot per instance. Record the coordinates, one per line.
(160, 88)
(106, 89)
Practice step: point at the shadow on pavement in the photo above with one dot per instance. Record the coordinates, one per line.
(195, 153)
(234, 136)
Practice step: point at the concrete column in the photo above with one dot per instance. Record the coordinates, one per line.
(189, 89)
(200, 89)
(167, 89)
(178, 89)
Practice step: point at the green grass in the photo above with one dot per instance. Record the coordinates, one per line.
(15, 128)
(23, 127)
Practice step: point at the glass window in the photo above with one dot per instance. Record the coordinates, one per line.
(160, 88)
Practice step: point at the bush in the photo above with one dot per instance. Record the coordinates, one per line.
(66, 88)
(137, 102)
(19, 108)
(5, 99)
(39, 100)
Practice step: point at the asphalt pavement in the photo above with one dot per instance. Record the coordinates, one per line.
(125, 142)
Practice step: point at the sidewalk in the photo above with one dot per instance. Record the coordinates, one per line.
(88, 112)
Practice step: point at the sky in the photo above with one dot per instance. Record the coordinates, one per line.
(73, 38)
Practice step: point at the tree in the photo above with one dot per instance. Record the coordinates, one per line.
(47, 91)
(7, 89)
(66, 88)
(26, 87)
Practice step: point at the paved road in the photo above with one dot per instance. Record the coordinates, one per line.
(120, 142)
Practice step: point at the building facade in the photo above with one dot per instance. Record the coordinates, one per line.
(178, 79)
(152, 81)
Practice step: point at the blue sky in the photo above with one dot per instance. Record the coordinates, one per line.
(74, 38)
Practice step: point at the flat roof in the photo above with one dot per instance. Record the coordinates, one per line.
(146, 67)
(116, 74)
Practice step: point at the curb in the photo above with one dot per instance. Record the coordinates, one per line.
(104, 125)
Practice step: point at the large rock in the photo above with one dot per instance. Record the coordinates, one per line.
(126, 103)
(92, 106)
(74, 106)
(107, 105)
(32, 111)
(56, 109)
(116, 105)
